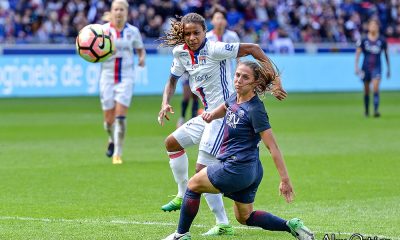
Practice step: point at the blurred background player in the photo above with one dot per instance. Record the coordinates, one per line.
(117, 73)
(187, 95)
(240, 171)
(220, 33)
(205, 62)
(372, 46)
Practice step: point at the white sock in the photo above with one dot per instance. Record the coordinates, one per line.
(110, 130)
(216, 205)
(119, 134)
(178, 161)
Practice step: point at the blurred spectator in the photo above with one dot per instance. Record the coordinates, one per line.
(305, 21)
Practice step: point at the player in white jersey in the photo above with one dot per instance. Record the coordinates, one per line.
(117, 73)
(205, 62)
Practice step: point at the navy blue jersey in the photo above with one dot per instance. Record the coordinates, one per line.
(243, 123)
(372, 53)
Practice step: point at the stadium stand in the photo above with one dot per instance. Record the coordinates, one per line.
(306, 21)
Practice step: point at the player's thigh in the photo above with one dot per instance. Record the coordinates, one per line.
(120, 109)
(106, 92)
(242, 211)
(375, 84)
(190, 133)
(123, 92)
(201, 184)
(212, 137)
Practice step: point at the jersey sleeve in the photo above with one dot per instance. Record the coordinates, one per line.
(137, 42)
(222, 50)
(259, 118)
(177, 68)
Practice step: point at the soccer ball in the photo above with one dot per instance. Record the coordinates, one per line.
(94, 43)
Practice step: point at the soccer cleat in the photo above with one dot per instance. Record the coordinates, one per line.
(177, 236)
(219, 229)
(116, 160)
(173, 205)
(377, 114)
(298, 230)
(110, 149)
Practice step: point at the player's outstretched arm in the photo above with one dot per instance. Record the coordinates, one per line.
(285, 187)
(219, 112)
(387, 63)
(169, 91)
(142, 56)
(356, 68)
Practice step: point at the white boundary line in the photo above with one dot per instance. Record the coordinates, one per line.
(128, 222)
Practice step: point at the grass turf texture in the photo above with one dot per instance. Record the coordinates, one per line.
(56, 182)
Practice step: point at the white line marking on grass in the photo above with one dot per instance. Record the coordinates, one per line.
(128, 222)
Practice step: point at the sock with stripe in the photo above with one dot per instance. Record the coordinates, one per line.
(110, 130)
(267, 221)
(189, 209)
(119, 134)
(376, 102)
(178, 161)
(184, 105)
(195, 107)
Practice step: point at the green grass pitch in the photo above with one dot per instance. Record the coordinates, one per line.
(56, 183)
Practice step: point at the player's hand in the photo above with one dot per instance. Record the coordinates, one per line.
(358, 72)
(286, 189)
(163, 113)
(277, 90)
(207, 116)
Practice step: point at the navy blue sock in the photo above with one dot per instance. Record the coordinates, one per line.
(267, 221)
(195, 107)
(366, 103)
(189, 209)
(184, 105)
(376, 102)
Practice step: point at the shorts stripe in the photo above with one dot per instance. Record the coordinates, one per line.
(218, 140)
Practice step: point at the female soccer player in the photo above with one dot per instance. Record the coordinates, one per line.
(372, 46)
(205, 62)
(240, 171)
(116, 82)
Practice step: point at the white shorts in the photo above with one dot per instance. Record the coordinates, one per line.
(111, 92)
(207, 135)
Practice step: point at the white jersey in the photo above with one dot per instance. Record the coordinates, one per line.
(120, 66)
(228, 37)
(207, 69)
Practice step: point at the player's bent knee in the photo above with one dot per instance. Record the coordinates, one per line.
(171, 144)
(242, 218)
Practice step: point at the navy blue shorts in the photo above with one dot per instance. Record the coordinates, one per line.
(368, 75)
(237, 181)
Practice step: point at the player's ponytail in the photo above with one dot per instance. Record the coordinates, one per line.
(174, 36)
(266, 75)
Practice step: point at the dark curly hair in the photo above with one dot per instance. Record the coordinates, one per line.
(175, 35)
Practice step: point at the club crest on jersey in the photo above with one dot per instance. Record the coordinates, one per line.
(202, 59)
(241, 113)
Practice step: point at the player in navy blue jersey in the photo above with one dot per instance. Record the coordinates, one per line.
(240, 172)
(372, 46)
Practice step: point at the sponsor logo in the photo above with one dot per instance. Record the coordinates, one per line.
(201, 78)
